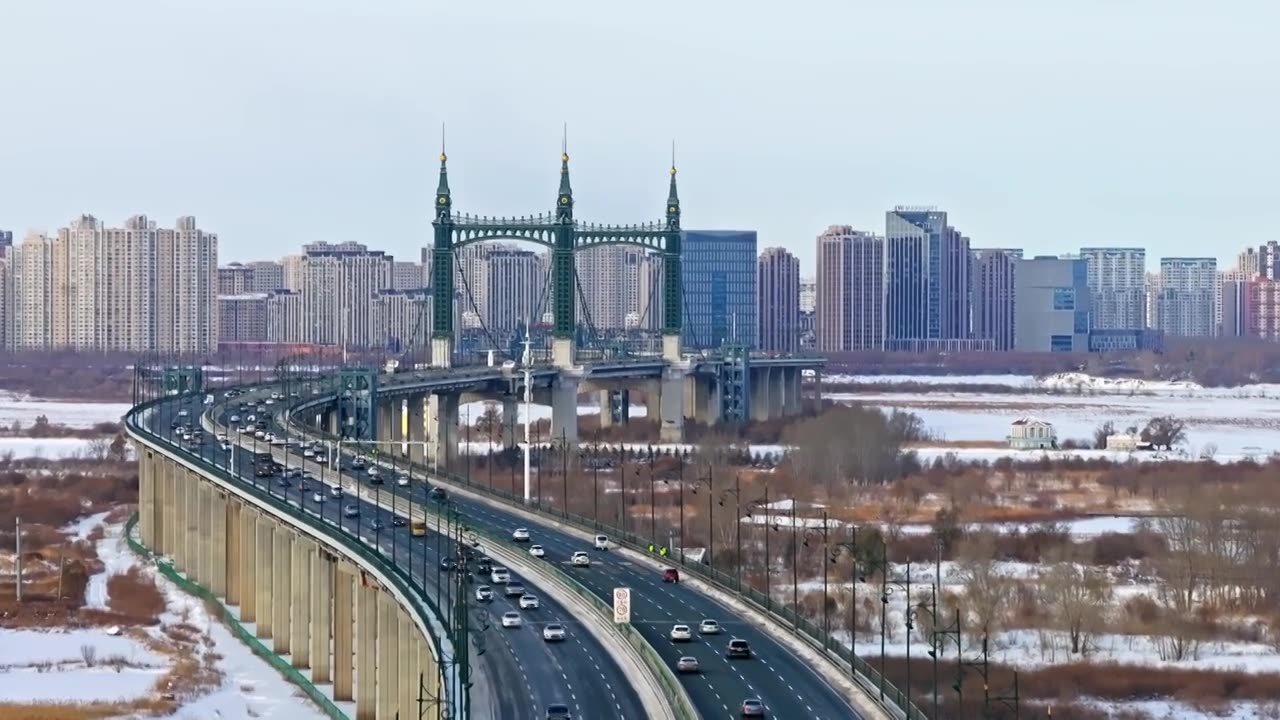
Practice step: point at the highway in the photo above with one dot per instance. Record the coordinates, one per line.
(785, 683)
(517, 674)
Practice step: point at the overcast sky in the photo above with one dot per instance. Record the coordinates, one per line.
(1039, 125)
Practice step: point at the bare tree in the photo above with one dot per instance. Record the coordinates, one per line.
(98, 449)
(1165, 431)
(1101, 433)
(987, 591)
(1077, 595)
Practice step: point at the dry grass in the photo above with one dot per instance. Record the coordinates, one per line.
(83, 711)
(134, 594)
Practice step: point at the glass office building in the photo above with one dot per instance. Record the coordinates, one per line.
(718, 273)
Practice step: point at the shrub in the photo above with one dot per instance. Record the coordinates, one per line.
(134, 594)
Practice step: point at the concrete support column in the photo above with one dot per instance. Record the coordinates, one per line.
(653, 401)
(182, 554)
(405, 665)
(281, 590)
(300, 602)
(671, 347)
(441, 352)
(510, 420)
(562, 352)
(321, 616)
(428, 670)
(234, 558)
(671, 427)
(366, 652)
(263, 596)
(219, 547)
(795, 405)
(604, 398)
(388, 427)
(388, 685)
(417, 428)
(564, 411)
(146, 519)
(760, 394)
(248, 565)
(442, 428)
(344, 617)
(204, 530)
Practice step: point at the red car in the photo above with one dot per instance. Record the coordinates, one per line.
(670, 575)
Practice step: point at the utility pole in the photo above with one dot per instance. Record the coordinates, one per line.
(527, 361)
(17, 541)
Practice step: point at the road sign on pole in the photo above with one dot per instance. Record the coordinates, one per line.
(622, 605)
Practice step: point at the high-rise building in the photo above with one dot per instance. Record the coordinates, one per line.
(338, 285)
(1051, 305)
(132, 289)
(849, 290)
(1249, 263)
(286, 318)
(606, 295)
(778, 309)
(1117, 283)
(1269, 260)
(6, 242)
(291, 266)
(407, 276)
(647, 314)
(515, 280)
(1188, 295)
(718, 274)
(993, 295)
(402, 319)
(926, 271)
(266, 275)
(234, 279)
(808, 294)
(6, 303)
(242, 318)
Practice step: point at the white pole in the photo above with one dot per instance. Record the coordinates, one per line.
(17, 535)
(528, 413)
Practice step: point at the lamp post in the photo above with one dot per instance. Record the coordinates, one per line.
(653, 503)
(710, 482)
(804, 540)
(752, 505)
(851, 548)
(736, 491)
(595, 480)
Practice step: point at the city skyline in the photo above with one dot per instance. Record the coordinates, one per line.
(1089, 125)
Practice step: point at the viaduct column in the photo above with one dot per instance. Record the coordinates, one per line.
(281, 590)
(510, 420)
(234, 558)
(417, 428)
(322, 587)
(761, 382)
(263, 596)
(442, 428)
(300, 585)
(366, 651)
(564, 410)
(344, 620)
(219, 545)
(671, 421)
(388, 684)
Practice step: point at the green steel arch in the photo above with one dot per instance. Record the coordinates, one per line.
(564, 235)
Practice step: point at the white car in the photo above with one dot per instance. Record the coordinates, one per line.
(602, 542)
(500, 576)
(484, 593)
(709, 627)
(269, 437)
(681, 633)
(553, 632)
(234, 419)
(260, 435)
(580, 559)
(403, 481)
(251, 418)
(373, 471)
(537, 551)
(529, 602)
(512, 620)
(269, 401)
(322, 460)
(221, 437)
(520, 535)
(308, 453)
(318, 497)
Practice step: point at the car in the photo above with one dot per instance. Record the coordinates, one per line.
(221, 437)
(553, 632)
(335, 491)
(709, 627)
(270, 401)
(234, 418)
(437, 494)
(321, 460)
(318, 497)
(737, 648)
(500, 576)
(670, 575)
(351, 511)
(269, 437)
(558, 711)
(403, 481)
(303, 486)
(580, 559)
(752, 707)
(511, 620)
(357, 463)
(294, 472)
(513, 590)
(225, 446)
(520, 535)
(602, 542)
(283, 482)
(484, 593)
(687, 664)
(529, 602)
(448, 564)
(484, 565)
(308, 453)
(537, 551)
(251, 419)
(681, 633)
(373, 471)
(375, 524)
(259, 434)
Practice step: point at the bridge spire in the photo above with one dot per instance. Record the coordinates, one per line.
(564, 201)
(673, 197)
(443, 201)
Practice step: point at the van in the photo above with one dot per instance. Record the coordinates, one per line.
(602, 542)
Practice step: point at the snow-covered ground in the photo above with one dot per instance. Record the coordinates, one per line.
(1071, 383)
(469, 413)
(38, 666)
(50, 448)
(80, 415)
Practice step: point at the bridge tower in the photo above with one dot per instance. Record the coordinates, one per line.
(565, 236)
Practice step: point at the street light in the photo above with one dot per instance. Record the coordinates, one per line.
(736, 491)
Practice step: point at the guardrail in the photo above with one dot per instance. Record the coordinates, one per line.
(336, 534)
(671, 688)
(242, 633)
(878, 688)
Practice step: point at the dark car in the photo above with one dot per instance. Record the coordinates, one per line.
(397, 521)
(376, 524)
(437, 494)
(484, 565)
(738, 649)
(448, 564)
(558, 711)
(670, 575)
